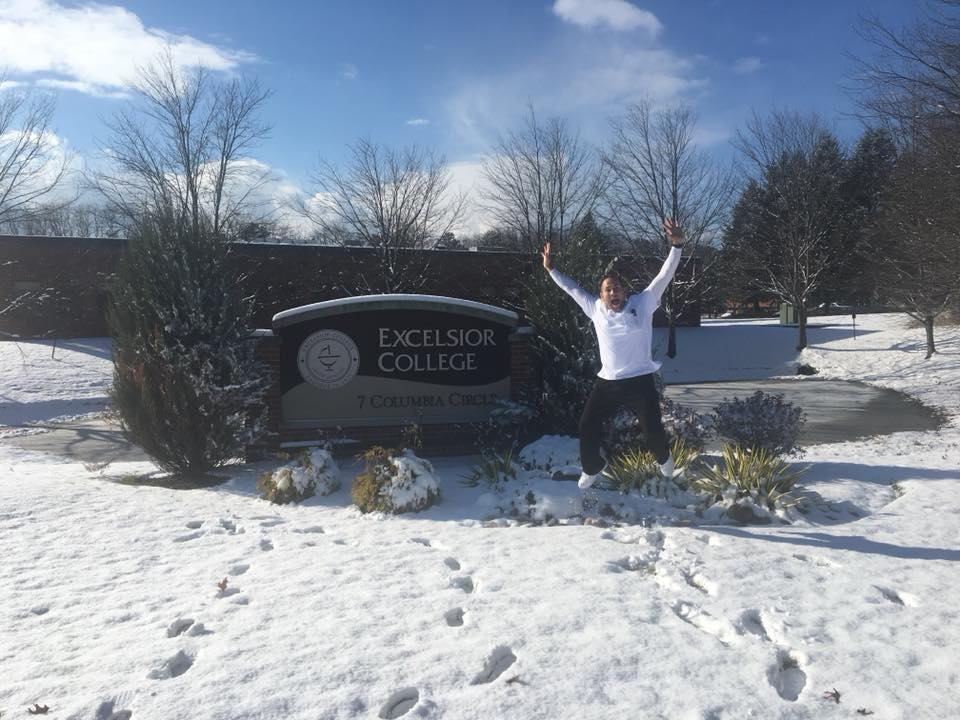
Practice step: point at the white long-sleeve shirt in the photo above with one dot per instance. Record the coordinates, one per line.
(624, 337)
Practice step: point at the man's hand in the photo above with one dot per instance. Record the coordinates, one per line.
(545, 254)
(673, 232)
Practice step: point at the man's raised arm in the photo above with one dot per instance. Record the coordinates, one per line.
(580, 296)
(659, 283)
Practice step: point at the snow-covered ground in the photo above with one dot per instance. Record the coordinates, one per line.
(109, 601)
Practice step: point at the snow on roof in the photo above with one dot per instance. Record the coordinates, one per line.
(394, 302)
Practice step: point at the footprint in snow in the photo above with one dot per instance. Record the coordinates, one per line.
(400, 703)
(195, 524)
(499, 660)
(230, 526)
(454, 617)
(898, 598)
(451, 563)
(310, 529)
(702, 620)
(817, 560)
(106, 711)
(272, 522)
(172, 667)
(786, 676)
(420, 541)
(178, 627)
(40, 610)
(464, 582)
(751, 621)
(631, 563)
(266, 545)
(698, 581)
(188, 536)
(238, 569)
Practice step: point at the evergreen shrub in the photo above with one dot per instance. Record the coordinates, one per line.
(394, 482)
(314, 472)
(761, 422)
(186, 385)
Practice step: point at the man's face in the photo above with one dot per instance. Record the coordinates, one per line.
(612, 294)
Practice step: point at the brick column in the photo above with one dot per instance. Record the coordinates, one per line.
(522, 365)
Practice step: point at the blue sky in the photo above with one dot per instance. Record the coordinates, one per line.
(449, 74)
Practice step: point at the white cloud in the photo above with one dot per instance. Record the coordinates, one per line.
(94, 48)
(81, 86)
(585, 80)
(615, 14)
(417, 121)
(348, 71)
(747, 65)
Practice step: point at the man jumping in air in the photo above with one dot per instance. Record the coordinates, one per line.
(624, 327)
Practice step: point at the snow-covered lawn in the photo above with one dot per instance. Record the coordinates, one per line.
(109, 599)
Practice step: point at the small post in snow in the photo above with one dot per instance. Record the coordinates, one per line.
(854, 316)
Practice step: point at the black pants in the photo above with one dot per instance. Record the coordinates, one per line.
(637, 394)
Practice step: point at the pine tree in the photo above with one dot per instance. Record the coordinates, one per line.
(186, 385)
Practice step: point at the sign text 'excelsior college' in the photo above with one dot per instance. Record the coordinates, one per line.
(393, 359)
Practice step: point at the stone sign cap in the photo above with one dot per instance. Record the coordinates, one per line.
(394, 302)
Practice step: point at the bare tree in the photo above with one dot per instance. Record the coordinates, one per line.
(397, 203)
(785, 230)
(915, 70)
(919, 230)
(183, 144)
(657, 171)
(32, 165)
(541, 182)
(911, 85)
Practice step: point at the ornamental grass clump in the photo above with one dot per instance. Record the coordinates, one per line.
(754, 475)
(761, 422)
(394, 482)
(494, 470)
(313, 472)
(638, 470)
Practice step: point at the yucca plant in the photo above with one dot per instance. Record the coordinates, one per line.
(745, 473)
(493, 469)
(639, 470)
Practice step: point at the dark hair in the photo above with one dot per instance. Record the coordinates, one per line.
(612, 276)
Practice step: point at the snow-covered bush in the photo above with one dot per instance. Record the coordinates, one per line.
(314, 472)
(622, 432)
(761, 422)
(186, 385)
(494, 470)
(552, 454)
(754, 475)
(394, 482)
(682, 423)
(638, 471)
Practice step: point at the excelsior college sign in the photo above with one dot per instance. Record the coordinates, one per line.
(392, 359)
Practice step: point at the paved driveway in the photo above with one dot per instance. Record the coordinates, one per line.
(835, 410)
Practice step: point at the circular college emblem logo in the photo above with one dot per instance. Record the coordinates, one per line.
(328, 359)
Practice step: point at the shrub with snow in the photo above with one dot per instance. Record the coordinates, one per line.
(494, 470)
(313, 472)
(761, 422)
(394, 482)
(186, 384)
(509, 423)
(552, 454)
(749, 483)
(622, 433)
(638, 471)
